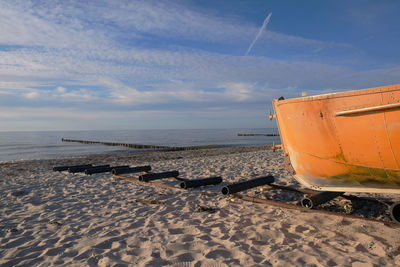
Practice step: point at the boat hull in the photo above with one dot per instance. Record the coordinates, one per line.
(347, 142)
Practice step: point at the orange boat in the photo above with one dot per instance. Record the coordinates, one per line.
(344, 142)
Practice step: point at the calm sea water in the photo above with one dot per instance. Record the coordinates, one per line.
(45, 145)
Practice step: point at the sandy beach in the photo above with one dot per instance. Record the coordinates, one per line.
(57, 218)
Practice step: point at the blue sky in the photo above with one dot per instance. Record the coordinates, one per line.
(71, 65)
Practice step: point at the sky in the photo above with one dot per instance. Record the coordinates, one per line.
(184, 64)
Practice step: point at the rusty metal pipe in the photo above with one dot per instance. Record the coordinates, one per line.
(201, 182)
(82, 168)
(312, 201)
(97, 169)
(131, 170)
(395, 211)
(65, 168)
(155, 176)
(100, 169)
(237, 187)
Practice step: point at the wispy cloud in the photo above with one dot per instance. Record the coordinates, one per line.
(103, 24)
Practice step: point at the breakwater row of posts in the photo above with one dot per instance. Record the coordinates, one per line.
(141, 146)
(255, 134)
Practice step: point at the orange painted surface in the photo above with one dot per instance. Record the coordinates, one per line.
(346, 141)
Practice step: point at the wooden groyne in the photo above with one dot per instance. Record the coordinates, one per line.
(140, 146)
(255, 134)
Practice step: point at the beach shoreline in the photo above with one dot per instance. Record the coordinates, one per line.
(57, 218)
(135, 156)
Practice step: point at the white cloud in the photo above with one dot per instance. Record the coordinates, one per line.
(183, 76)
(78, 113)
(32, 95)
(59, 95)
(81, 95)
(61, 89)
(238, 91)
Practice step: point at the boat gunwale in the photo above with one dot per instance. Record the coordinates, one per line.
(368, 91)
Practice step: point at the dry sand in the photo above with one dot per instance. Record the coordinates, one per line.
(50, 218)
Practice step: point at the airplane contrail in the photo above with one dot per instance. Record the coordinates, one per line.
(263, 27)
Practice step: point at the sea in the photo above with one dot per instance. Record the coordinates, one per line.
(25, 145)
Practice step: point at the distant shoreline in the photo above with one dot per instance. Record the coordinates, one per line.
(142, 155)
